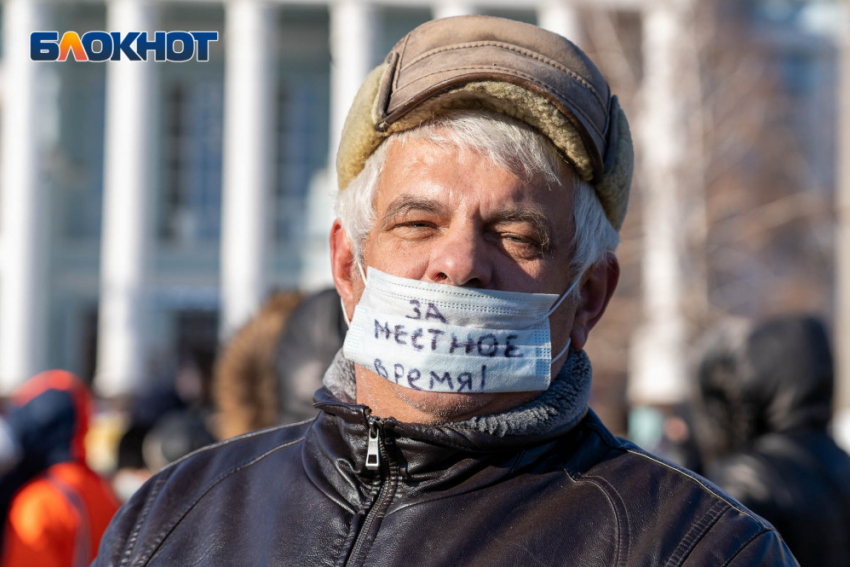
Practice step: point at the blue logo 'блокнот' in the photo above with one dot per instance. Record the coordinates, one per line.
(114, 46)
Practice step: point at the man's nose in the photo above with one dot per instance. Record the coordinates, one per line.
(459, 257)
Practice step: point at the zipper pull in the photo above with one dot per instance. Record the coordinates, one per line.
(373, 454)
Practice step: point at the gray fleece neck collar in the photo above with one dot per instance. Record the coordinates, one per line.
(562, 405)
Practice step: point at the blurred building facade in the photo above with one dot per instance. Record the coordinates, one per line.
(127, 258)
(147, 208)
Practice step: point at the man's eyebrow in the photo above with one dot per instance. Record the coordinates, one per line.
(404, 204)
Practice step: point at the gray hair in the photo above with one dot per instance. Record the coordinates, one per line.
(507, 143)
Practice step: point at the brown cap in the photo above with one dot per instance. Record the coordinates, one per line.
(506, 66)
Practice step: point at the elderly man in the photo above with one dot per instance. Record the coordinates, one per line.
(484, 171)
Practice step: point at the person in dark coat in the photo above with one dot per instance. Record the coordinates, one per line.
(267, 373)
(310, 340)
(765, 400)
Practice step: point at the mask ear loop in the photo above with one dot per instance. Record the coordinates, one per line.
(554, 307)
(562, 298)
(558, 303)
(563, 350)
(344, 313)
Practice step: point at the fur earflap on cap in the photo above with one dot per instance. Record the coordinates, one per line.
(359, 136)
(509, 67)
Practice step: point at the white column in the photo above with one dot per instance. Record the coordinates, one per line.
(23, 303)
(560, 16)
(129, 184)
(354, 27)
(658, 368)
(353, 39)
(450, 8)
(249, 126)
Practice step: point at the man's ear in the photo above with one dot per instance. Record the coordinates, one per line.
(342, 265)
(597, 287)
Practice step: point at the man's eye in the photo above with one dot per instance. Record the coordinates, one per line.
(413, 229)
(522, 246)
(518, 239)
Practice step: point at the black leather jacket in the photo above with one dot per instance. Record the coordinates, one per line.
(766, 402)
(302, 495)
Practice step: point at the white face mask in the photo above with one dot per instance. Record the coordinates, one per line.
(444, 338)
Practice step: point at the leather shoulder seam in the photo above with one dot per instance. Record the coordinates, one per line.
(706, 487)
(162, 535)
(698, 530)
(137, 527)
(257, 433)
(615, 500)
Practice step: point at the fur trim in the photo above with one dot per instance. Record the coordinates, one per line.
(245, 387)
(359, 138)
(340, 379)
(613, 190)
(562, 405)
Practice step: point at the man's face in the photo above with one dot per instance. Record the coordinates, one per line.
(452, 217)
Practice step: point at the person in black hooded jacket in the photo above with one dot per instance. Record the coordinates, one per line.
(269, 369)
(765, 400)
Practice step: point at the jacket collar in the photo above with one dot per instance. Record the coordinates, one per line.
(446, 458)
(555, 411)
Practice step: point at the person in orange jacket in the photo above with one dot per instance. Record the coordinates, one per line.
(54, 506)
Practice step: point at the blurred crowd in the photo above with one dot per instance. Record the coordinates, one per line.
(757, 427)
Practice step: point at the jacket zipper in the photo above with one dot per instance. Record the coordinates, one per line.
(376, 459)
(373, 453)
